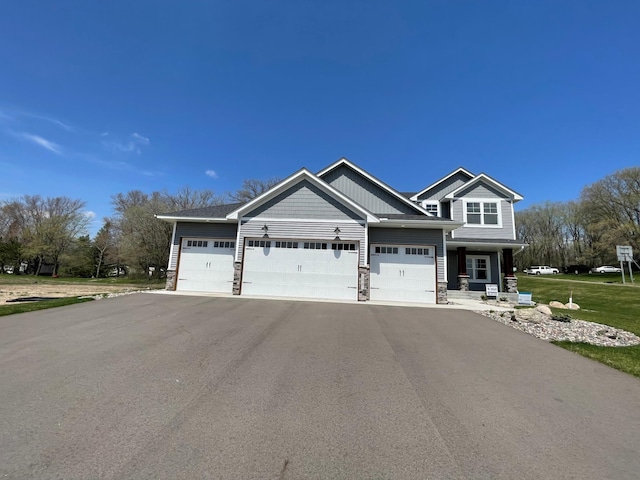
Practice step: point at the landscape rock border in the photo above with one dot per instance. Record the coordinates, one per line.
(537, 322)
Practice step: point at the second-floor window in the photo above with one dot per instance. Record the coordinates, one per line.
(482, 213)
(431, 207)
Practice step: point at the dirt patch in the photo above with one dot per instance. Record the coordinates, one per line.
(10, 292)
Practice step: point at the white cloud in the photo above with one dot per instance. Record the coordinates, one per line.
(90, 214)
(140, 139)
(38, 140)
(16, 115)
(211, 173)
(132, 145)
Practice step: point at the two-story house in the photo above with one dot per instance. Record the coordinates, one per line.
(481, 250)
(343, 234)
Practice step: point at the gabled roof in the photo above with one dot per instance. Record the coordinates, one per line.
(288, 182)
(446, 177)
(344, 161)
(214, 212)
(483, 177)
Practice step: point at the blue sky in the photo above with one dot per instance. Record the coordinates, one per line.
(98, 98)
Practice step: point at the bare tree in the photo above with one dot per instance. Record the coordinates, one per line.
(145, 241)
(103, 243)
(251, 188)
(186, 199)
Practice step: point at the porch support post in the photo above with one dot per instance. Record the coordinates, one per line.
(463, 278)
(510, 280)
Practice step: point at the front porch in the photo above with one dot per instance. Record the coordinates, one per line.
(472, 264)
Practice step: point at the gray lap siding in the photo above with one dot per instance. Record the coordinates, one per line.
(199, 230)
(350, 231)
(411, 236)
(484, 232)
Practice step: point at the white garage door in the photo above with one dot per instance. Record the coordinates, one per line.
(301, 269)
(403, 273)
(206, 265)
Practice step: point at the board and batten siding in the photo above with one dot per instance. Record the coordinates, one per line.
(447, 186)
(199, 230)
(481, 190)
(304, 200)
(350, 231)
(413, 236)
(362, 191)
(489, 233)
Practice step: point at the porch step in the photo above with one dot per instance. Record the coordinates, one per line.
(453, 294)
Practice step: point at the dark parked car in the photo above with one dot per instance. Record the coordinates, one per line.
(576, 269)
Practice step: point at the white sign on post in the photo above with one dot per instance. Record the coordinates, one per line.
(624, 252)
(524, 298)
(491, 290)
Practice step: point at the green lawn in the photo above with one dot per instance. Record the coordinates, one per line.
(120, 284)
(10, 309)
(6, 279)
(611, 304)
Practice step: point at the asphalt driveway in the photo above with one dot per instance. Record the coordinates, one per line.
(156, 386)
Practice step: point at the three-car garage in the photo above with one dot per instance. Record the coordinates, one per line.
(296, 268)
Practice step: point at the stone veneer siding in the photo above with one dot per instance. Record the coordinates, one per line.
(442, 293)
(364, 275)
(510, 284)
(237, 277)
(171, 280)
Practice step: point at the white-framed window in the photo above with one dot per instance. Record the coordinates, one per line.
(431, 207)
(484, 213)
(479, 268)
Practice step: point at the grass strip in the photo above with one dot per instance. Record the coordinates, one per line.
(615, 305)
(42, 305)
(141, 282)
(625, 359)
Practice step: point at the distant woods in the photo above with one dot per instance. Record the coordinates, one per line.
(584, 231)
(48, 236)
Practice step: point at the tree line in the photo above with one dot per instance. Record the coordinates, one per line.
(583, 231)
(49, 235)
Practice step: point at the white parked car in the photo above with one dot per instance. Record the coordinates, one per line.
(542, 270)
(606, 269)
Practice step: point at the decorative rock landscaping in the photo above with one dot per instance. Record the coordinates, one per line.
(541, 323)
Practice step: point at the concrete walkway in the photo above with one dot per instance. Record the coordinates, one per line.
(455, 304)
